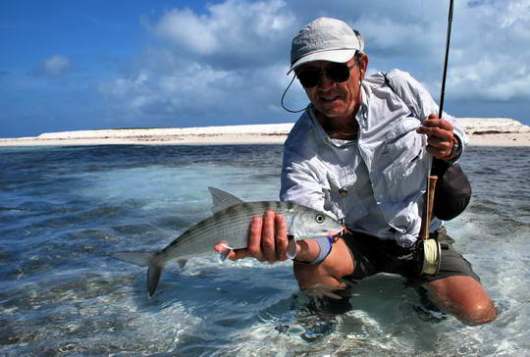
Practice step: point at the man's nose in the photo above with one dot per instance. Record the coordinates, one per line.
(324, 81)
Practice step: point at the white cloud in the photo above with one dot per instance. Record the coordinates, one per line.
(230, 61)
(199, 91)
(492, 59)
(54, 66)
(186, 29)
(484, 79)
(235, 29)
(516, 13)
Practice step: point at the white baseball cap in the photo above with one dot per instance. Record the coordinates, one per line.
(325, 39)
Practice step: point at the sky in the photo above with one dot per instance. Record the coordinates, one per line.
(75, 65)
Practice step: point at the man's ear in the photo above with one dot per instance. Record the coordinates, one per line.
(363, 64)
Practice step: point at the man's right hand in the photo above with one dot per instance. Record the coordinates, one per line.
(267, 239)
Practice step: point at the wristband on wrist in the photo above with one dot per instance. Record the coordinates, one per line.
(325, 244)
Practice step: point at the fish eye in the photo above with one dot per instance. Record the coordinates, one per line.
(319, 218)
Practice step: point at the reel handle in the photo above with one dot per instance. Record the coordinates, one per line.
(429, 252)
(428, 207)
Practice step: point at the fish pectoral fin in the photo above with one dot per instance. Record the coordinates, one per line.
(222, 199)
(292, 248)
(182, 263)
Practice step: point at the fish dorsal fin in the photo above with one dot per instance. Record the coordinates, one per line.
(222, 199)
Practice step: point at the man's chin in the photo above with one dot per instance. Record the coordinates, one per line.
(333, 112)
(335, 106)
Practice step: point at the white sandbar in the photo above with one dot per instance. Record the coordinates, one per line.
(481, 131)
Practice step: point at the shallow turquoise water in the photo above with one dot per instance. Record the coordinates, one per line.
(64, 210)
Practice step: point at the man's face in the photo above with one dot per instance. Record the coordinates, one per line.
(335, 99)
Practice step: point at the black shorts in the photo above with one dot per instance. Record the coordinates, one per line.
(373, 255)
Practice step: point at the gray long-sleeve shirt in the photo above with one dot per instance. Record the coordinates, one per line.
(375, 184)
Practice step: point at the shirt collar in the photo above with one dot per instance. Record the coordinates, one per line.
(362, 113)
(322, 135)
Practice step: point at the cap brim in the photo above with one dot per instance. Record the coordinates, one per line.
(338, 56)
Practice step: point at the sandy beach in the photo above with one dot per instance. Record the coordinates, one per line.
(480, 131)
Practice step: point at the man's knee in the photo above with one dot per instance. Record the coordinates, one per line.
(464, 297)
(479, 313)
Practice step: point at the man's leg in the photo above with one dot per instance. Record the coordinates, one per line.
(464, 297)
(457, 288)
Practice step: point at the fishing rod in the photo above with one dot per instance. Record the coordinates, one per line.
(446, 59)
(431, 258)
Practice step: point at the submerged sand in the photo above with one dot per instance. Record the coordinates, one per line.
(481, 132)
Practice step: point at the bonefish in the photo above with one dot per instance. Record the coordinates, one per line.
(229, 224)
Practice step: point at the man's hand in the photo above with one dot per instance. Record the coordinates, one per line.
(267, 239)
(440, 137)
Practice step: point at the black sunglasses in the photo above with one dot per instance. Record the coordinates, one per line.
(310, 77)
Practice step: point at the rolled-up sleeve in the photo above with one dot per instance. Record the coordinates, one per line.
(429, 106)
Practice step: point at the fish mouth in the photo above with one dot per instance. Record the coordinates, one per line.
(336, 232)
(331, 232)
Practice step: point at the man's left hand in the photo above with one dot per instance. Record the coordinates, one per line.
(440, 137)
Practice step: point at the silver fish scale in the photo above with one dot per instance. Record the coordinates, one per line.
(229, 225)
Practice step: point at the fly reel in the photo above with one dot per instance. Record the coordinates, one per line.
(428, 250)
(429, 256)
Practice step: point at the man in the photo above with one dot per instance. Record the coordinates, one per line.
(360, 152)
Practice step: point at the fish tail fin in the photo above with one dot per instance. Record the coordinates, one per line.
(153, 276)
(149, 259)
